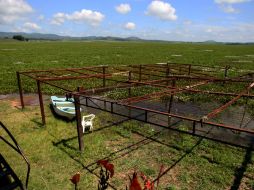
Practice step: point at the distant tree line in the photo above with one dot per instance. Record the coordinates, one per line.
(20, 38)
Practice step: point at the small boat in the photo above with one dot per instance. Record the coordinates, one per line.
(63, 107)
(55, 99)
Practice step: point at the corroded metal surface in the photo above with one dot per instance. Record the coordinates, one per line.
(167, 78)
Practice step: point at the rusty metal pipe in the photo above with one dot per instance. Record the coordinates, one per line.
(41, 102)
(223, 107)
(20, 90)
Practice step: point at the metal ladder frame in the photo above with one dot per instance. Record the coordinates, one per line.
(17, 149)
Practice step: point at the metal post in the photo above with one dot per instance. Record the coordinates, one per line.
(129, 94)
(78, 120)
(201, 123)
(105, 104)
(169, 108)
(86, 101)
(146, 115)
(140, 74)
(194, 127)
(167, 72)
(167, 75)
(171, 103)
(41, 102)
(129, 112)
(80, 89)
(111, 107)
(226, 72)
(104, 81)
(20, 90)
(104, 72)
(189, 72)
(245, 109)
(129, 89)
(173, 82)
(168, 69)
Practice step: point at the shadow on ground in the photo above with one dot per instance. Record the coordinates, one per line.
(239, 173)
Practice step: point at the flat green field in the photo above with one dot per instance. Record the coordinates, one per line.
(18, 56)
(190, 162)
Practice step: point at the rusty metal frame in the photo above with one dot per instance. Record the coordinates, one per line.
(223, 107)
(163, 76)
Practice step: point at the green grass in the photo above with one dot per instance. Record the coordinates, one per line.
(118, 94)
(52, 150)
(16, 56)
(194, 163)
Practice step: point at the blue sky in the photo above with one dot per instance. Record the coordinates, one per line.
(196, 20)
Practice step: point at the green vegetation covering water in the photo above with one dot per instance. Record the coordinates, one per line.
(20, 56)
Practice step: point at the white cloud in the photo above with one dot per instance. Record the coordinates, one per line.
(229, 9)
(27, 27)
(13, 10)
(237, 32)
(130, 26)
(58, 19)
(226, 5)
(30, 26)
(93, 18)
(162, 10)
(230, 1)
(123, 8)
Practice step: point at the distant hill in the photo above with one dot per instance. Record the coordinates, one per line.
(39, 36)
(210, 42)
(31, 35)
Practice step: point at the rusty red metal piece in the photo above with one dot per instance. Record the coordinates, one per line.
(223, 107)
(131, 76)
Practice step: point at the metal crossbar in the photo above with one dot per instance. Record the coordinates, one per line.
(170, 79)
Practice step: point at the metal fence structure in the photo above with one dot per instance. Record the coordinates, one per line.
(153, 94)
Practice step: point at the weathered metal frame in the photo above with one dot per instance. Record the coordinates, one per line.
(18, 149)
(140, 75)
